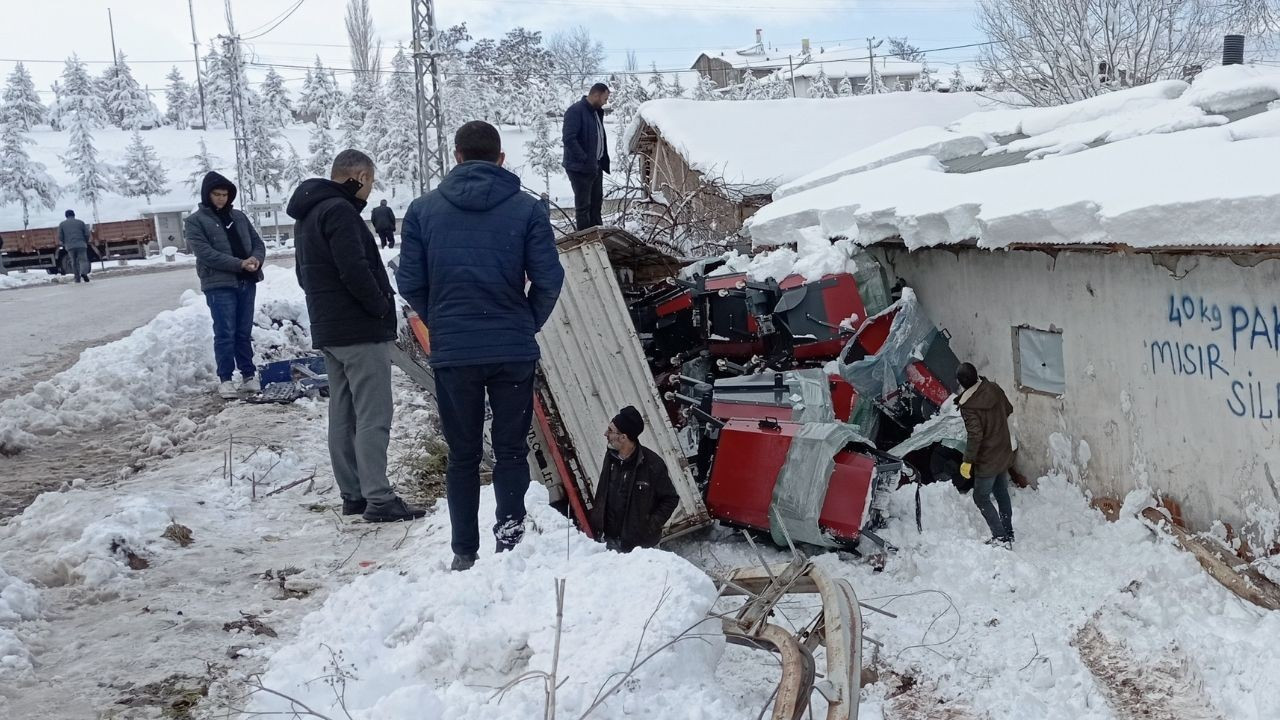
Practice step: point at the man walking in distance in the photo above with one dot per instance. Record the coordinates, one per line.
(466, 251)
(384, 222)
(353, 322)
(988, 454)
(586, 155)
(73, 236)
(229, 255)
(635, 497)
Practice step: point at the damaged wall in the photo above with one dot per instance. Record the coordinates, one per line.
(1172, 368)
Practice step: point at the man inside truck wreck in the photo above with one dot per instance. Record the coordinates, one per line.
(988, 453)
(635, 496)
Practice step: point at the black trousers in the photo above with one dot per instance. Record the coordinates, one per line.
(388, 238)
(588, 197)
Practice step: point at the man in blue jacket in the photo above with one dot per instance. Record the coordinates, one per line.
(467, 250)
(586, 155)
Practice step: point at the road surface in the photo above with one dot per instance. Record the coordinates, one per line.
(44, 328)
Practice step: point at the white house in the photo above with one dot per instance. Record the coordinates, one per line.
(1112, 263)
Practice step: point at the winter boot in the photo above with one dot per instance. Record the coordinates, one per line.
(396, 510)
(999, 542)
(508, 534)
(227, 390)
(354, 507)
(251, 386)
(86, 277)
(462, 563)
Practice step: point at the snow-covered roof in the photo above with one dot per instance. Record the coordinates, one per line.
(760, 145)
(837, 61)
(1163, 165)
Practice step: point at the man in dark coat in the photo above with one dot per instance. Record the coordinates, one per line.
(353, 322)
(384, 221)
(988, 453)
(73, 236)
(466, 251)
(229, 256)
(586, 155)
(635, 496)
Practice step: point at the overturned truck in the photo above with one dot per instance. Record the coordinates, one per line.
(784, 407)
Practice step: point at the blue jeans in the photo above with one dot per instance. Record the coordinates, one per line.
(232, 312)
(999, 522)
(460, 392)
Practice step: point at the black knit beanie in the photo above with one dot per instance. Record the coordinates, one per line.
(629, 423)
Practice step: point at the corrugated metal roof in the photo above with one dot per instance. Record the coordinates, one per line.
(594, 366)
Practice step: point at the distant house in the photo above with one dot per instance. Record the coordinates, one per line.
(1111, 263)
(722, 161)
(803, 63)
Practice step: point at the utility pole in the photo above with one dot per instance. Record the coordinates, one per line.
(872, 44)
(426, 65)
(195, 52)
(245, 171)
(792, 68)
(115, 57)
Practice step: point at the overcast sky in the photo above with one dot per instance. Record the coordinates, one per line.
(156, 34)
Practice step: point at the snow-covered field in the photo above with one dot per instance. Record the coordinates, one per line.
(175, 149)
(1084, 619)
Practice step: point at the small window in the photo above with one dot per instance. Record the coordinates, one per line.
(1037, 360)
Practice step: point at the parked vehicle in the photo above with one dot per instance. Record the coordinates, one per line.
(37, 248)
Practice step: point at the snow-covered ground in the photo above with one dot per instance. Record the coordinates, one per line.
(175, 149)
(1084, 619)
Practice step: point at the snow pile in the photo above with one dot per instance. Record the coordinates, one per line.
(1075, 194)
(762, 144)
(419, 641)
(168, 357)
(813, 258)
(18, 601)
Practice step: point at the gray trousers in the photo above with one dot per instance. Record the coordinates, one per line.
(1000, 523)
(360, 419)
(79, 262)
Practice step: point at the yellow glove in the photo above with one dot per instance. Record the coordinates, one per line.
(966, 471)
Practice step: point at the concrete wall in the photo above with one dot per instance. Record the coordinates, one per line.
(1172, 372)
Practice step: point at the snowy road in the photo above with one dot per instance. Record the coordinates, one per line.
(46, 327)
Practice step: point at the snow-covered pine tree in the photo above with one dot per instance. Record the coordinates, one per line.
(177, 100)
(398, 153)
(275, 97)
(373, 135)
(141, 175)
(23, 180)
(90, 175)
(79, 96)
(351, 119)
(205, 162)
(295, 170)
(958, 83)
(677, 88)
(322, 151)
(52, 113)
(544, 150)
(845, 89)
(319, 95)
(268, 157)
(874, 84)
(820, 85)
(750, 88)
(705, 89)
(128, 106)
(217, 86)
(776, 87)
(21, 105)
(658, 88)
(925, 82)
(897, 85)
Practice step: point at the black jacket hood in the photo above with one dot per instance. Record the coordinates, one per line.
(213, 181)
(477, 185)
(315, 191)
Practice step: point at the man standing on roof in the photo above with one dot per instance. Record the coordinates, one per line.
(586, 155)
(229, 256)
(468, 251)
(635, 496)
(988, 453)
(73, 236)
(384, 222)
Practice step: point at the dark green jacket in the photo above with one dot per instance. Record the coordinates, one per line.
(986, 411)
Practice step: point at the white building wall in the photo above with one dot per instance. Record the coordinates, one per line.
(1203, 427)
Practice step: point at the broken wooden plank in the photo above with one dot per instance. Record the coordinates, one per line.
(1222, 565)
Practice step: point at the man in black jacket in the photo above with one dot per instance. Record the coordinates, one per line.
(635, 496)
(353, 321)
(586, 155)
(384, 221)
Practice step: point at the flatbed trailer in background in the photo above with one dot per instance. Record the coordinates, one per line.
(38, 249)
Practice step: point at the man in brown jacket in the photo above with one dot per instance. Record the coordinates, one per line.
(988, 454)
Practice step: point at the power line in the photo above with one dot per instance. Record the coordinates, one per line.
(278, 22)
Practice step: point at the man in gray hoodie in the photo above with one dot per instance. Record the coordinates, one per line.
(73, 236)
